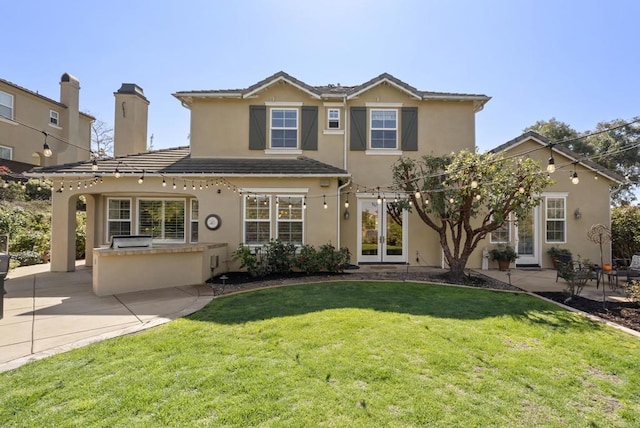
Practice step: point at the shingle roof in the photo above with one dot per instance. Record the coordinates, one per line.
(328, 90)
(178, 162)
(559, 148)
(42, 97)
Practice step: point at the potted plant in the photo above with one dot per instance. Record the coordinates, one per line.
(504, 255)
(558, 253)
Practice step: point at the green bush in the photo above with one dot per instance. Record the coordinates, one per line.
(251, 260)
(307, 259)
(332, 260)
(26, 258)
(625, 231)
(633, 291)
(279, 256)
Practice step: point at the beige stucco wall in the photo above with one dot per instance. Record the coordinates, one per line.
(35, 111)
(591, 196)
(124, 271)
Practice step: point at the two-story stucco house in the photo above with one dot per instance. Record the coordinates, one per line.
(278, 159)
(29, 120)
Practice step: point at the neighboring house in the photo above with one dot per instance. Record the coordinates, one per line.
(26, 116)
(579, 198)
(278, 159)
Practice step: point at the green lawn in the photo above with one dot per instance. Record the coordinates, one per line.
(356, 354)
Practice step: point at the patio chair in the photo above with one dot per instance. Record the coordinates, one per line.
(567, 268)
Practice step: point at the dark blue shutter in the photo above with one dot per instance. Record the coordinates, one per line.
(257, 127)
(309, 128)
(410, 129)
(358, 134)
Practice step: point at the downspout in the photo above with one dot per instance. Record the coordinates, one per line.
(339, 208)
(344, 166)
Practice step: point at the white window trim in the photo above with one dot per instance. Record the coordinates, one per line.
(562, 196)
(378, 105)
(383, 152)
(390, 151)
(108, 219)
(12, 106)
(162, 240)
(284, 150)
(193, 220)
(283, 199)
(9, 121)
(333, 131)
(508, 223)
(244, 219)
(10, 152)
(329, 110)
(283, 103)
(52, 114)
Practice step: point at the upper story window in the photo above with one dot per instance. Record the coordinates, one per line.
(54, 118)
(284, 128)
(556, 219)
(384, 129)
(333, 118)
(6, 105)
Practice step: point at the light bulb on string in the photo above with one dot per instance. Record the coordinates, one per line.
(94, 165)
(551, 166)
(418, 195)
(521, 189)
(574, 178)
(346, 201)
(164, 182)
(478, 197)
(46, 150)
(304, 203)
(474, 183)
(174, 184)
(324, 203)
(184, 186)
(141, 179)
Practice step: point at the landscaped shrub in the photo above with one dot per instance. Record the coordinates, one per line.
(633, 291)
(26, 258)
(332, 260)
(279, 256)
(307, 259)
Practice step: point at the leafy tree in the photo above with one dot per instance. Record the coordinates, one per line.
(101, 139)
(617, 149)
(467, 195)
(625, 231)
(558, 131)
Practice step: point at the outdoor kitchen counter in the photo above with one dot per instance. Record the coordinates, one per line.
(123, 270)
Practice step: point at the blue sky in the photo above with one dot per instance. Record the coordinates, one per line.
(574, 60)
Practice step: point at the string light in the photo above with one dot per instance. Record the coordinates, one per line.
(116, 173)
(574, 178)
(141, 179)
(174, 184)
(94, 165)
(346, 201)
(551, 167)
(324, 204)
(417, 195)
(184, 187)
(46, 150)
(304, 203)
(474, 183)
(164, 182)
(521, 189)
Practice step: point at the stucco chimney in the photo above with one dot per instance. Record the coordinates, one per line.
(130, 126)
(70, 123)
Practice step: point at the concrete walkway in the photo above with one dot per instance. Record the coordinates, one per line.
(46, 313)
(51, 312)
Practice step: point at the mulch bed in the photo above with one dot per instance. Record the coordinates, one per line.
(622, 313)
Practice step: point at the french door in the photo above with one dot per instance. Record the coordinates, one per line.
(527, 238)
(382, 236)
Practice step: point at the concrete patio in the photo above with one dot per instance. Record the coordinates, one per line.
(46, 313)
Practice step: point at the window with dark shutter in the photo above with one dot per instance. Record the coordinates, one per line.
(358, 133)
(409, 129)
(309, 128)
(257, 127)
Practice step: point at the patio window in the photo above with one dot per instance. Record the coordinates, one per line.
(556, 220)
(118, 217)
(384, 129)
(257, 219)
(6, 152)
(502, 235)
(6, 105)
(284, 128)
(194, 220)
(163, 219)
(290, 221)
